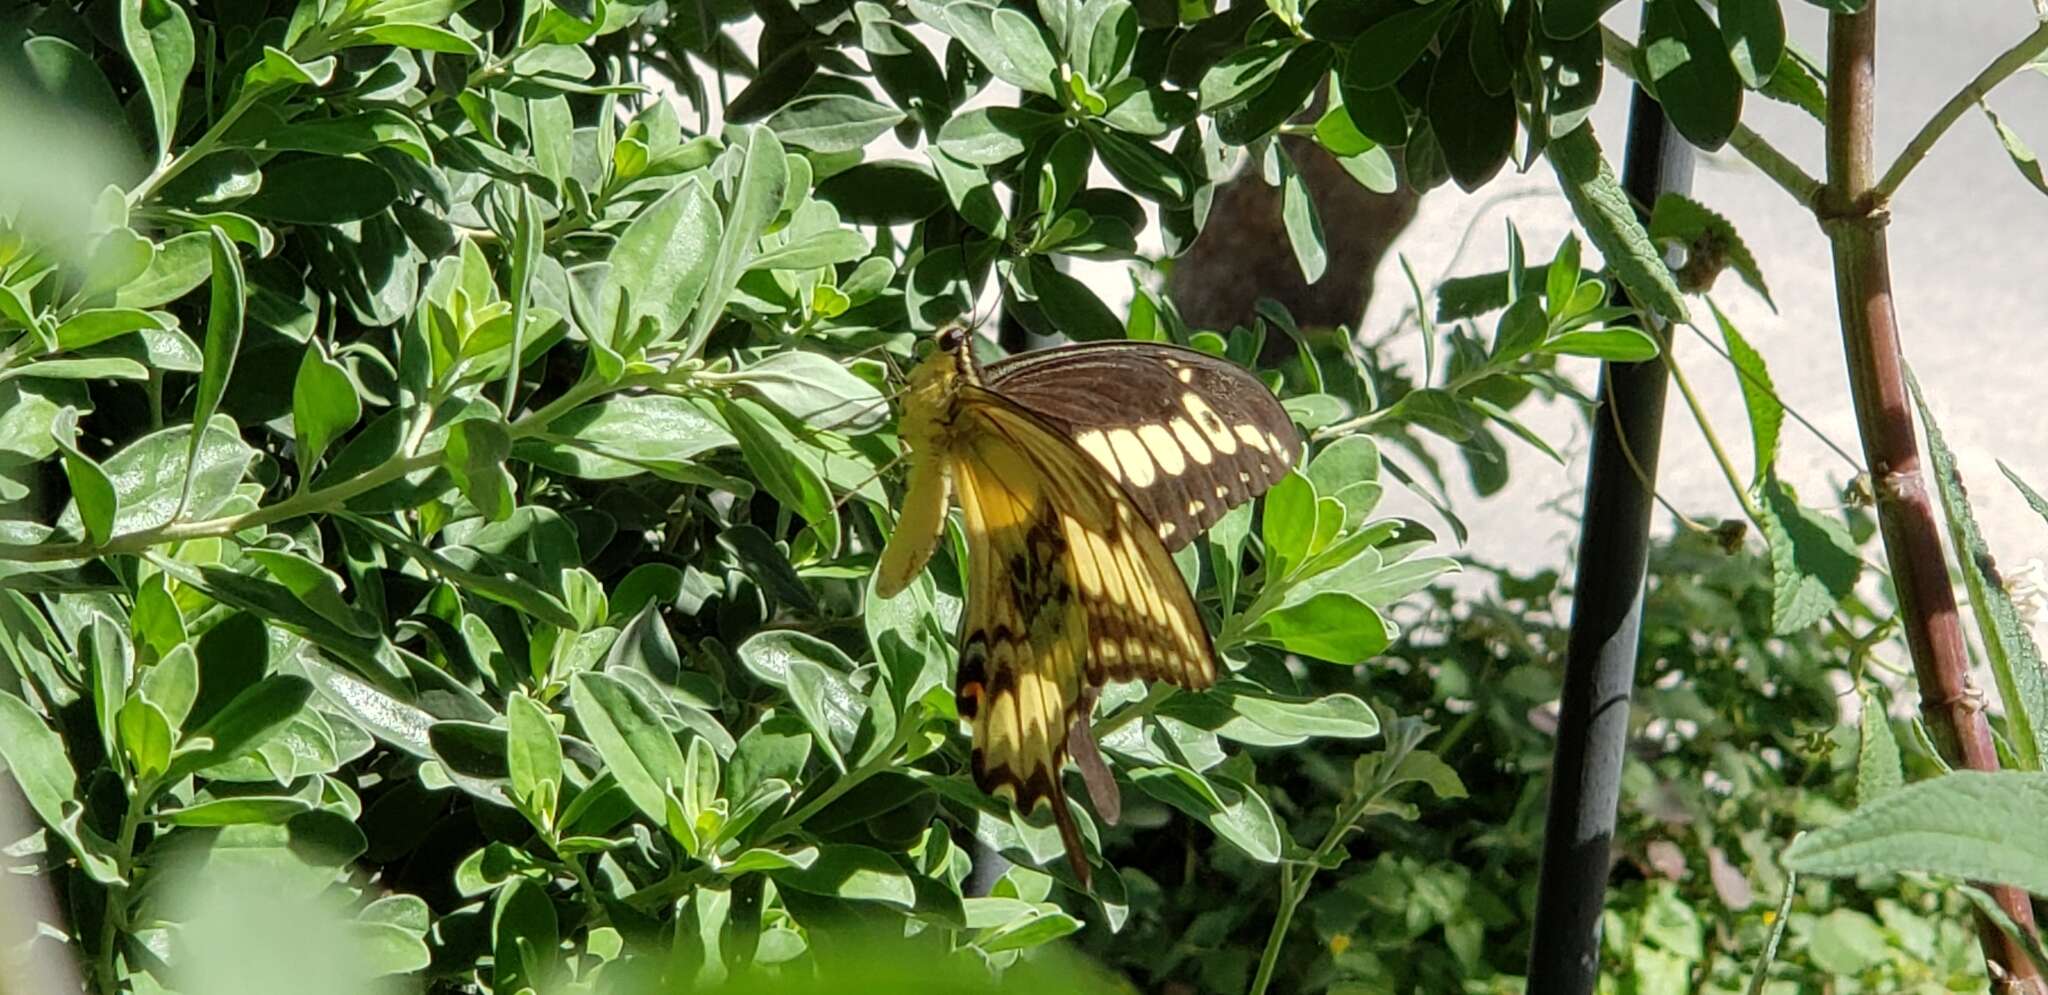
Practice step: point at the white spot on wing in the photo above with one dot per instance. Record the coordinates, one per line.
(1130, 452)
(1250, 434)
(1212, 426)
(1191, 441)
(1096, 445)
(1165, 452)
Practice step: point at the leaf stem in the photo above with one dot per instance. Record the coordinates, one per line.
(1295, 879)
(2011, 61)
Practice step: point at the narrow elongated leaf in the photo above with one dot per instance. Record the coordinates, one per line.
(2008, 643)
(230, 297)
(1759, 395)
(534, 756)
(636, 747)
(1878, 770)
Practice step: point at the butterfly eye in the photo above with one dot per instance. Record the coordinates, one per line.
(952, 337)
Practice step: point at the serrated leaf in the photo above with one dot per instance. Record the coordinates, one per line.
(1603, 207)
(1759, 396)
(2015, 660)
(1968, 825)
(1814, 564)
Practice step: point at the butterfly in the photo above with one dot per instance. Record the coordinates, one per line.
(1078, 470)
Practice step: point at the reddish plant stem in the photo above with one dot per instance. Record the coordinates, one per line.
(1854, 216)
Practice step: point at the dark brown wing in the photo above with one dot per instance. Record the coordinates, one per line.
(1187, 435)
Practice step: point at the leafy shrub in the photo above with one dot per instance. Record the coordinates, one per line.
(447, 488)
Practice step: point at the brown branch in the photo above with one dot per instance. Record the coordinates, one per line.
(1852, 212)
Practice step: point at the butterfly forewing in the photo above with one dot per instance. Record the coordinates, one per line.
(1188, 436)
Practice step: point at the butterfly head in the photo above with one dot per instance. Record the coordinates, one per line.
(944, 363)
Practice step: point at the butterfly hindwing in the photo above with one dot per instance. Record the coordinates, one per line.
(1186, 435)
(1068, 587)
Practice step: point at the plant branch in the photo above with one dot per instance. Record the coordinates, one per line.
(2002, 68)
(1852, 212)
(1755, 148)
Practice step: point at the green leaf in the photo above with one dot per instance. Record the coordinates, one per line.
(813, 388)
(92, 492)
(1243, 73)
(475, 456)
(1281, 98)
(1383, 53)
(180, 265)
(235, 812)
(854, 873)
(1968, 825)
(1071, 306)
(146, 737)
(245, 723)
(637, 748)
(783, 466)
(756, 199)
(1304, 226)
(833, 122)
(1475, 129)
(1754, 31)
(525, 935)
(2023, 157)
(1685, 62)
(1032, 930)
(1878, 769)
(418, 37)
(1813, 560)
(813, 673)
(321, 190)
(1611, 223)
(1146, 169)
(1332, 625)
(112, 658)
(1616, 345)
(885, 192)
(80, 369)
(230, 296)
(1289, 523)
(2015, 660)
(533, 756)
(665, 256)
(149, 476)
(990, 136)
(159, 40)
(1003, 40)
(95, 325)
(35, 756)
(1759, 395)
(325, 406)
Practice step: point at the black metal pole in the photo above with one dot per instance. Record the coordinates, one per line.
(1607, 606)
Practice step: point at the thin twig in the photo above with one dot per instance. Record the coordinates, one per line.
(2002, 68)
